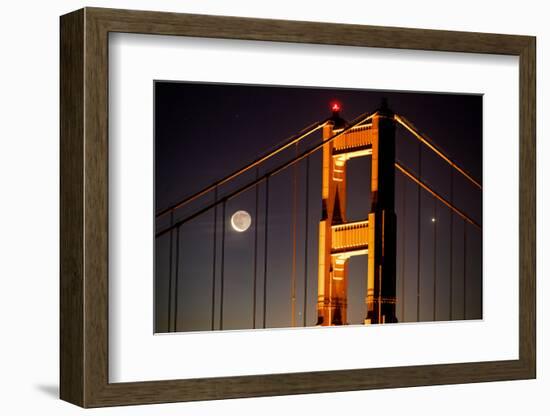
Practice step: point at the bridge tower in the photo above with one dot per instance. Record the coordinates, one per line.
(375, 236)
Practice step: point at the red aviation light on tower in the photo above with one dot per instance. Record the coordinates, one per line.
(337, 121)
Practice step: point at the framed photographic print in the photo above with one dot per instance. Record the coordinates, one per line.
(256, 207)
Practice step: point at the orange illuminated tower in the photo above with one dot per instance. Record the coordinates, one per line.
(375, 237)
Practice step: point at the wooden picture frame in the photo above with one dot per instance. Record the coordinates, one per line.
(84, 207)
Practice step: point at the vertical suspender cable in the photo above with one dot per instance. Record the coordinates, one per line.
(435, 260)
(265, 248)
(214, 247)
(255, 253)
(403, 235)
(222, 266)
(451, 221)
(294, 222)
(418, 223)
(306, 238)
(464, 268)
(176, 278)
(169, 326)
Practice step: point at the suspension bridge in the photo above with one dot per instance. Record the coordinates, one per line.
(381, 236)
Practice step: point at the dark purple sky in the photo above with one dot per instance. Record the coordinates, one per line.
(205, 131)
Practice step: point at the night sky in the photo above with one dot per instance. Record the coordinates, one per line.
(204, 132)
